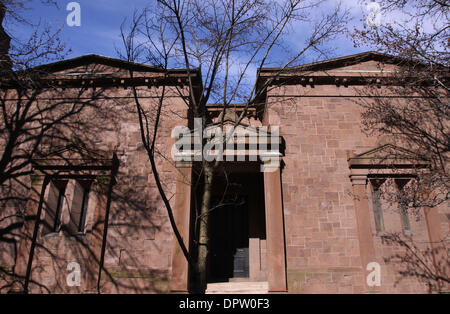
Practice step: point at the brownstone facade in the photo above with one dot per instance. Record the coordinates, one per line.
(312, 222)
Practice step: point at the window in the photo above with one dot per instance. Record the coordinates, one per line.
(388, 200)
(53, 206)
(403, 206)
(79, 206)
(378, 212)
(66, 206)
(83, 210)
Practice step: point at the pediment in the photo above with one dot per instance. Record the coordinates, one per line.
(371, 66)
(94, 63)
(387, 155)
(228, 139)
(370, 61)
(75, 156)
(365, 62)
(243, 129)
(104, 71)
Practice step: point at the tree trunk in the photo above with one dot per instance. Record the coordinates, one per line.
(203, 241)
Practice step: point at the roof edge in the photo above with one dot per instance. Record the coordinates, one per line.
(80, 60)
(344, 61)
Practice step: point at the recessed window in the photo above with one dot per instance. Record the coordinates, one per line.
(68, 199)
(84, 207)
(378, 212)
(79, 206)
(53, 206)
(401, 183)
(389, 195)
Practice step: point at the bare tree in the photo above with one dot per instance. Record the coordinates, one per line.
(420, 120)
(417, 119)
(419, 263)
(226, 40)
(40, 114)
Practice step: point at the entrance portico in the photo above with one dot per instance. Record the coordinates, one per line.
(260, 244)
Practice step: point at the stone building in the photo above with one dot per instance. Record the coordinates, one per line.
(314, 224)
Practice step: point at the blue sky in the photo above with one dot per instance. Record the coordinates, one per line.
(101, 20)
(100, 24)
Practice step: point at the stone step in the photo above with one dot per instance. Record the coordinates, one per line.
(237, 288)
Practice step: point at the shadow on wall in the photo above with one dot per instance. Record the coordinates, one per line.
(427, 265)
(137, 250)
(139, 239)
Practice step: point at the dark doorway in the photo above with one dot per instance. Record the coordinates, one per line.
(229, 254)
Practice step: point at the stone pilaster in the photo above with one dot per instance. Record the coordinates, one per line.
(276, 258)
(365, 236)
(182, 214)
